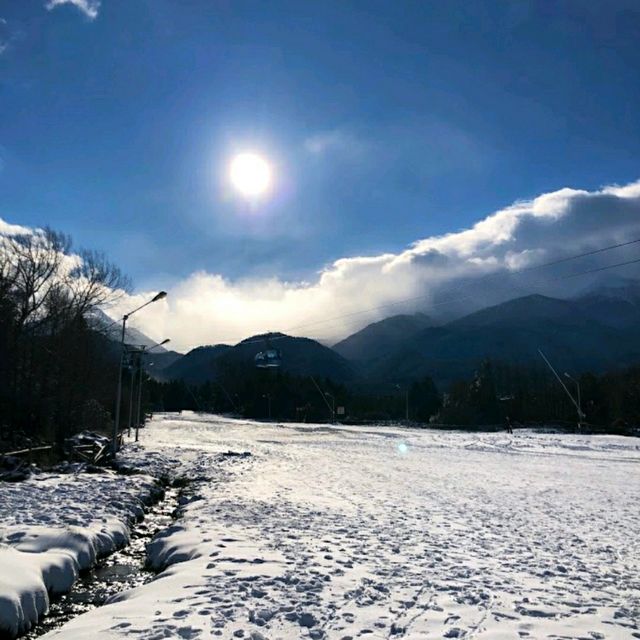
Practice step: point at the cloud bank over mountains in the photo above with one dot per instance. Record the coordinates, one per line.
(444, 276)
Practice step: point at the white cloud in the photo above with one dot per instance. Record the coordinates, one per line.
(13, 229)
(207, 308)
(90, 8)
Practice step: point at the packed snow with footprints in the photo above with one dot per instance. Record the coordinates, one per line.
(381, 532)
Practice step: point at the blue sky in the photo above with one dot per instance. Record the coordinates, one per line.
(387, 122)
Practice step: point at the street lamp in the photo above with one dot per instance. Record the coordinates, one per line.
(333, 406)
(132, 368)
(579, 407)
(125, 317)
(143, 351)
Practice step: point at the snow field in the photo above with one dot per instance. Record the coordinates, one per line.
(388, 533)
(52, 526)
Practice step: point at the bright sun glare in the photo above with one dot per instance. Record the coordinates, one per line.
(250, 174)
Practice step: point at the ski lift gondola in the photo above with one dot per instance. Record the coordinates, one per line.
(270, 358)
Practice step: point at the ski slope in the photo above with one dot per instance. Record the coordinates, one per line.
(345, 532)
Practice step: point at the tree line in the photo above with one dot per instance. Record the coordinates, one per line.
(57, 368)
(496, 395)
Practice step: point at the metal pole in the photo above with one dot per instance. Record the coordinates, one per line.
(321, 393)
(580, 414)
(579, 405)
(131, 394)
(140, 373)
(333, 406)
(559, 379)
(141, 353)
(269, 403)
(116, 421)
(407, 405)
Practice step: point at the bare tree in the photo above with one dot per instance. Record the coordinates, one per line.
(53, 363)
(95, 281)
(34, 264)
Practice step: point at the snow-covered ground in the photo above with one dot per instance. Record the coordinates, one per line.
(54, 525)
(337, 532)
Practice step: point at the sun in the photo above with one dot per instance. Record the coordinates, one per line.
(250, 174)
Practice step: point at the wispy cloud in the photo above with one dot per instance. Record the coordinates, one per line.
(90, 8)
(412, 151)
(5, 36)
(207, 308)
(335, 140)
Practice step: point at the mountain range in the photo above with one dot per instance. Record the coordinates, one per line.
(595, 331)
(591, 333)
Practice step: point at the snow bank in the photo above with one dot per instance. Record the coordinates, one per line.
(134, 458)
(53, 527)
(175, 544)
(23, 593)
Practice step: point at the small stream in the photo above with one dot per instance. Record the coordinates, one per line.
(122, 570)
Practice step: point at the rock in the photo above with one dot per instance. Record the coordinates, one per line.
(307, 620)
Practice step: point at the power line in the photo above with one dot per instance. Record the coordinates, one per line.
(581, 255)
(611, 266)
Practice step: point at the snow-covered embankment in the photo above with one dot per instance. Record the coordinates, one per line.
(52, 526)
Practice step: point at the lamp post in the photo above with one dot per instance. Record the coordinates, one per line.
(116, 421)
(131, 391)
(581, 415)
(333, 406)
(140, 376)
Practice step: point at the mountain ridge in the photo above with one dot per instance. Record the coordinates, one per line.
(594, 331)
